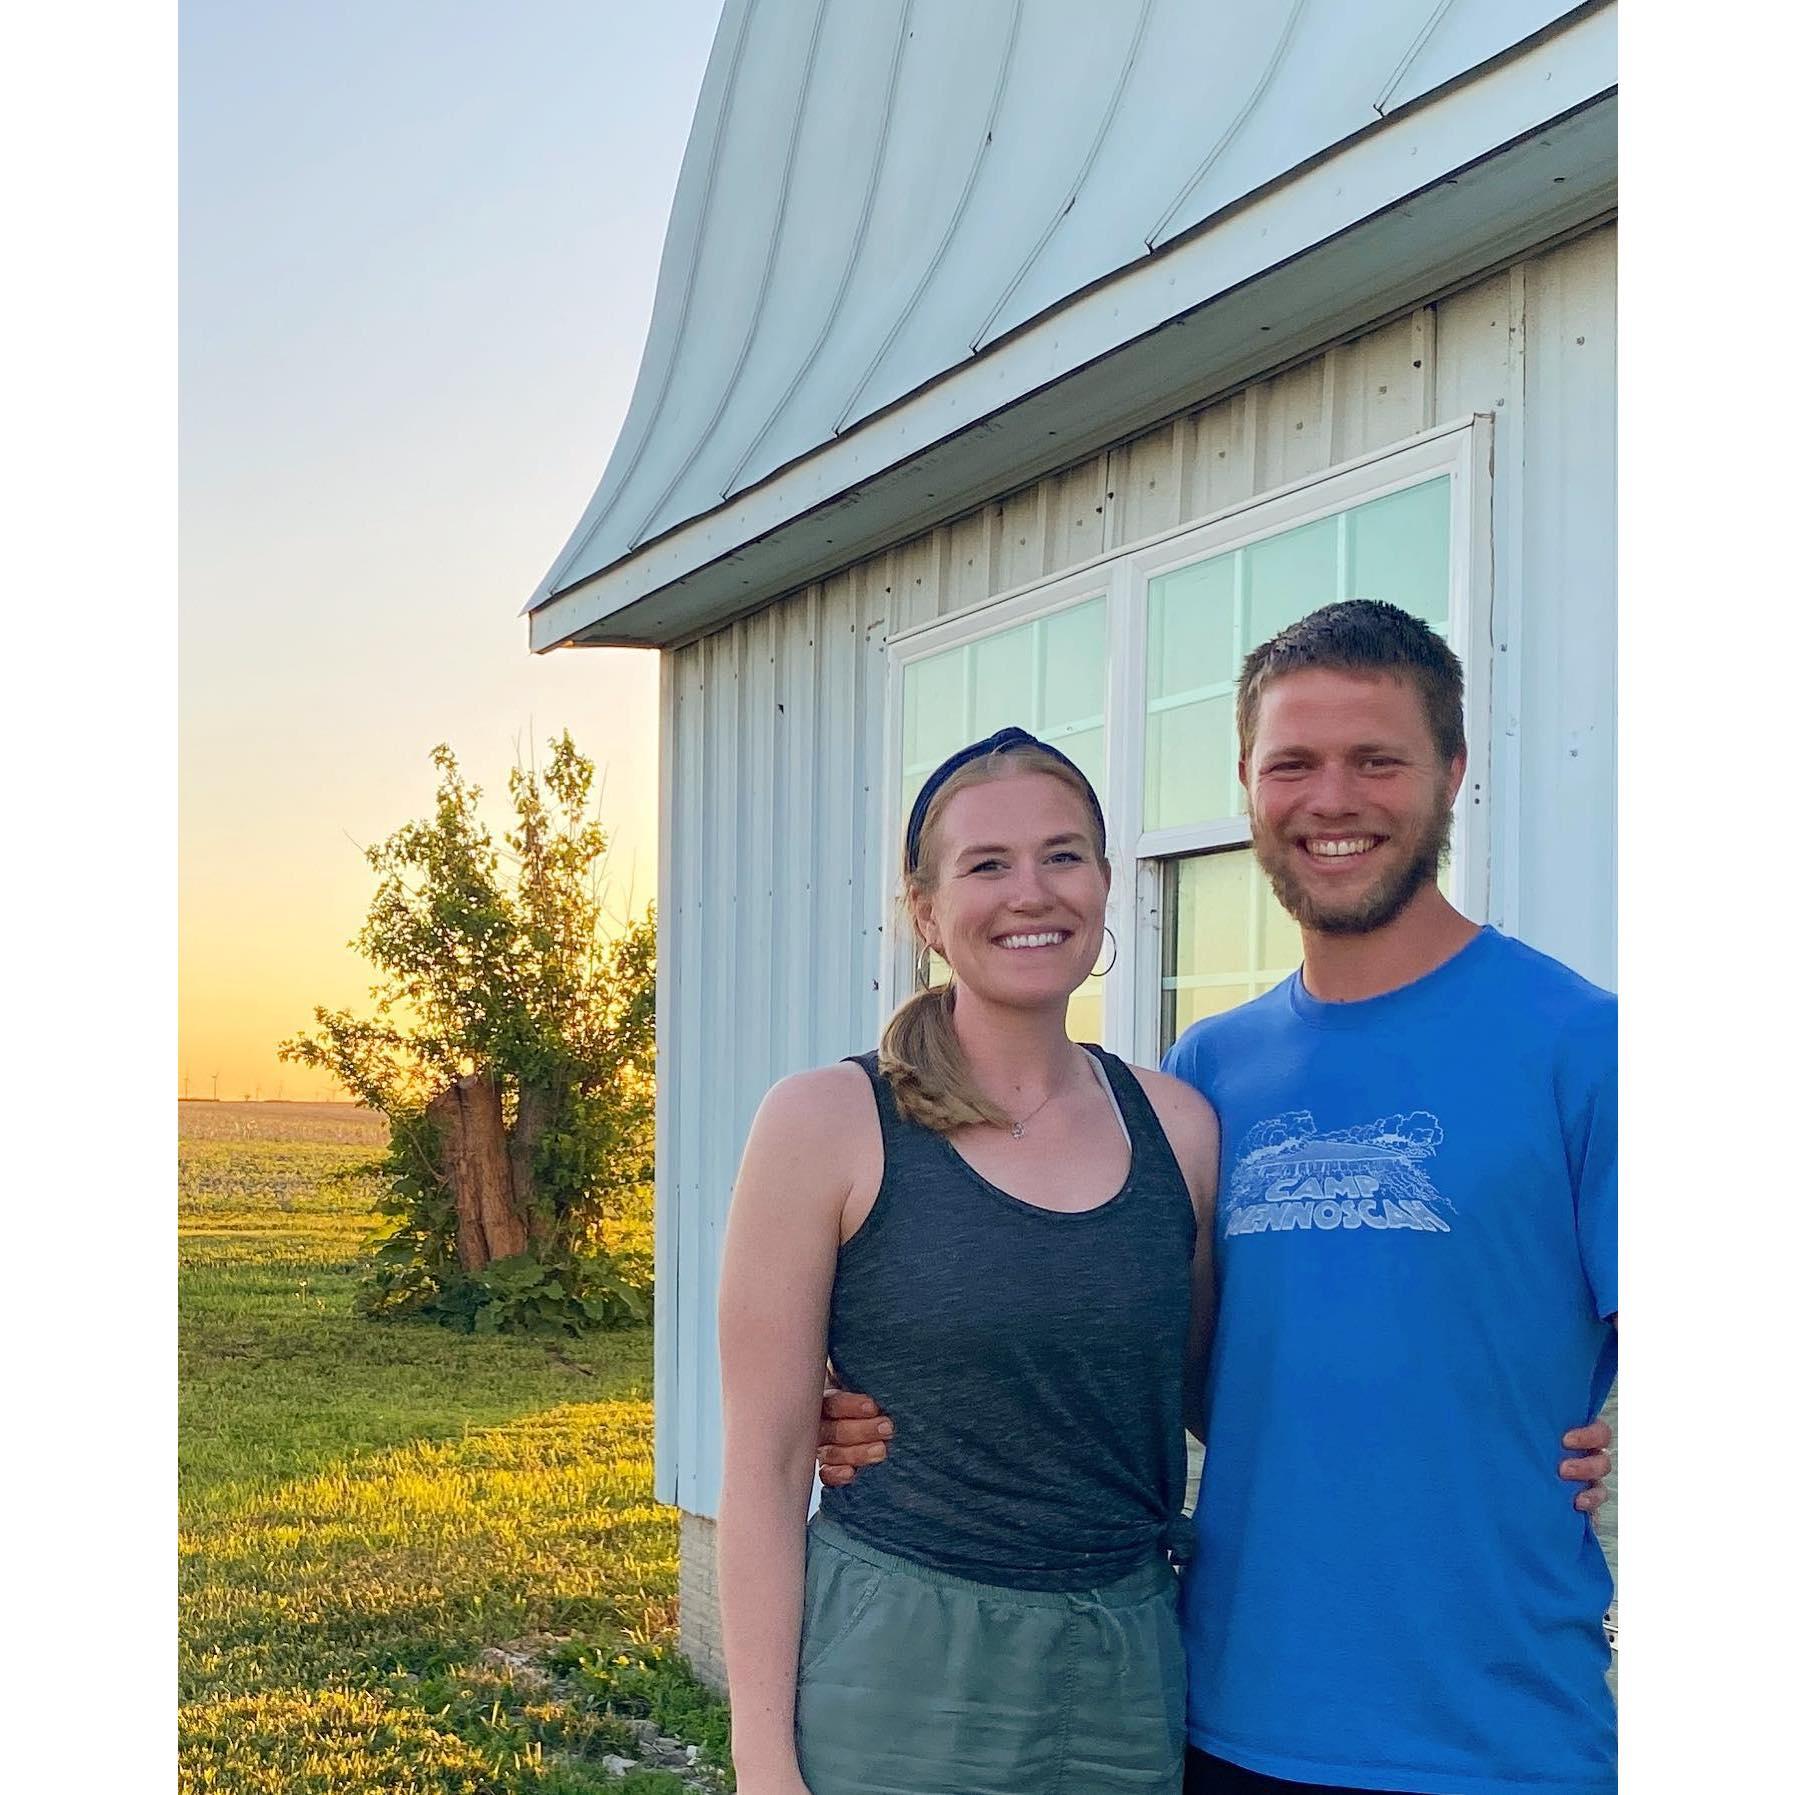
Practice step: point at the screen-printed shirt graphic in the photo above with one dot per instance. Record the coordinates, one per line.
(1290, 1174)
(1415, 1247)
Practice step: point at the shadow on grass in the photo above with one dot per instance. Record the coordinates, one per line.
(280, 1378)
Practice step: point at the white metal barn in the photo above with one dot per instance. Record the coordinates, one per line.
(1027, 362)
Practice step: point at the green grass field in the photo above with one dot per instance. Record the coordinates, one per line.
(412, 1562)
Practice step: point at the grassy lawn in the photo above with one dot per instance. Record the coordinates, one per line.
(413, 1562)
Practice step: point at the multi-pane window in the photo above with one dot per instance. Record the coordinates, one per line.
(1202, 619)
(1223, 937)
(1130, 668)
(1046, 676)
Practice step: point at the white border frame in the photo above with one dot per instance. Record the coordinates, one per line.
(1462, 450)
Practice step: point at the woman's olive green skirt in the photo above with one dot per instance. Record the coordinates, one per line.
(911, 1682)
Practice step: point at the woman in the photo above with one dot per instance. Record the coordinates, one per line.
(982, 1220)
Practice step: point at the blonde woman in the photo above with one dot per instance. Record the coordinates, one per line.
(997, 1233)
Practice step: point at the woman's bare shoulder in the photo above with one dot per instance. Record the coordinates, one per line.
(1172, 1098)
(1190, 1124)
(826, 1105)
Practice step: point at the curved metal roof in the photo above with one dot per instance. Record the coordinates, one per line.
(873, 196)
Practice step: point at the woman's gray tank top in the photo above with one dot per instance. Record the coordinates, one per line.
(1031, 1360)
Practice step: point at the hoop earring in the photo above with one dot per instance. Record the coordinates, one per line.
(1115, 949)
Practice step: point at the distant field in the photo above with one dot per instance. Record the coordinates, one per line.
(370, 1510)
(342, 1124)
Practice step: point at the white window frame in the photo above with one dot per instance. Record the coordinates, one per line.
(1138, 857)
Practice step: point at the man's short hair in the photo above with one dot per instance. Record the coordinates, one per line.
(1361, 635)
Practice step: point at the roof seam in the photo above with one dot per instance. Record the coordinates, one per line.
(1272, 66)
(852, 261)
(583, 537)
(777, 236)
(1408, 58)
(1078, 180)
(953, 223)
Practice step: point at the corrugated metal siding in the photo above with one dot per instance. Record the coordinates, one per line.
(770, 918)
(771, 908)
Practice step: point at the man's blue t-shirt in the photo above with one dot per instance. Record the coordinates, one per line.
(1415, 1234)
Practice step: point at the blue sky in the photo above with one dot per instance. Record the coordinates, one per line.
(418, 253)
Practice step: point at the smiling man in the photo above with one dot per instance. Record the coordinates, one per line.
(1416, 1240)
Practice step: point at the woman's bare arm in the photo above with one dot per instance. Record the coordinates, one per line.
(798, 1172)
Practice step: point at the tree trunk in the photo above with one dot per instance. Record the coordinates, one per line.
(444, 1113)
(536, 1106)
(472, 1126)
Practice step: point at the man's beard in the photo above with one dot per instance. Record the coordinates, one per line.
(1382, 904)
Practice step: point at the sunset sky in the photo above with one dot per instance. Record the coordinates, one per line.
(418, 251)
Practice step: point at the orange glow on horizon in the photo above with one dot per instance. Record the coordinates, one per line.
(272, 891)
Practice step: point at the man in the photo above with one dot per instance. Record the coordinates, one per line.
(1415, 1234)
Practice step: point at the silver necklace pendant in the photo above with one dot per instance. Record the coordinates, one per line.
(1019, 1127)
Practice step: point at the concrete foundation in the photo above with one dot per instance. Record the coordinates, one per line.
(700, 1618)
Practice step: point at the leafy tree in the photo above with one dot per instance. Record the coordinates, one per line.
(511, 1047)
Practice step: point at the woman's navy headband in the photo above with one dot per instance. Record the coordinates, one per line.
(1005, 741)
